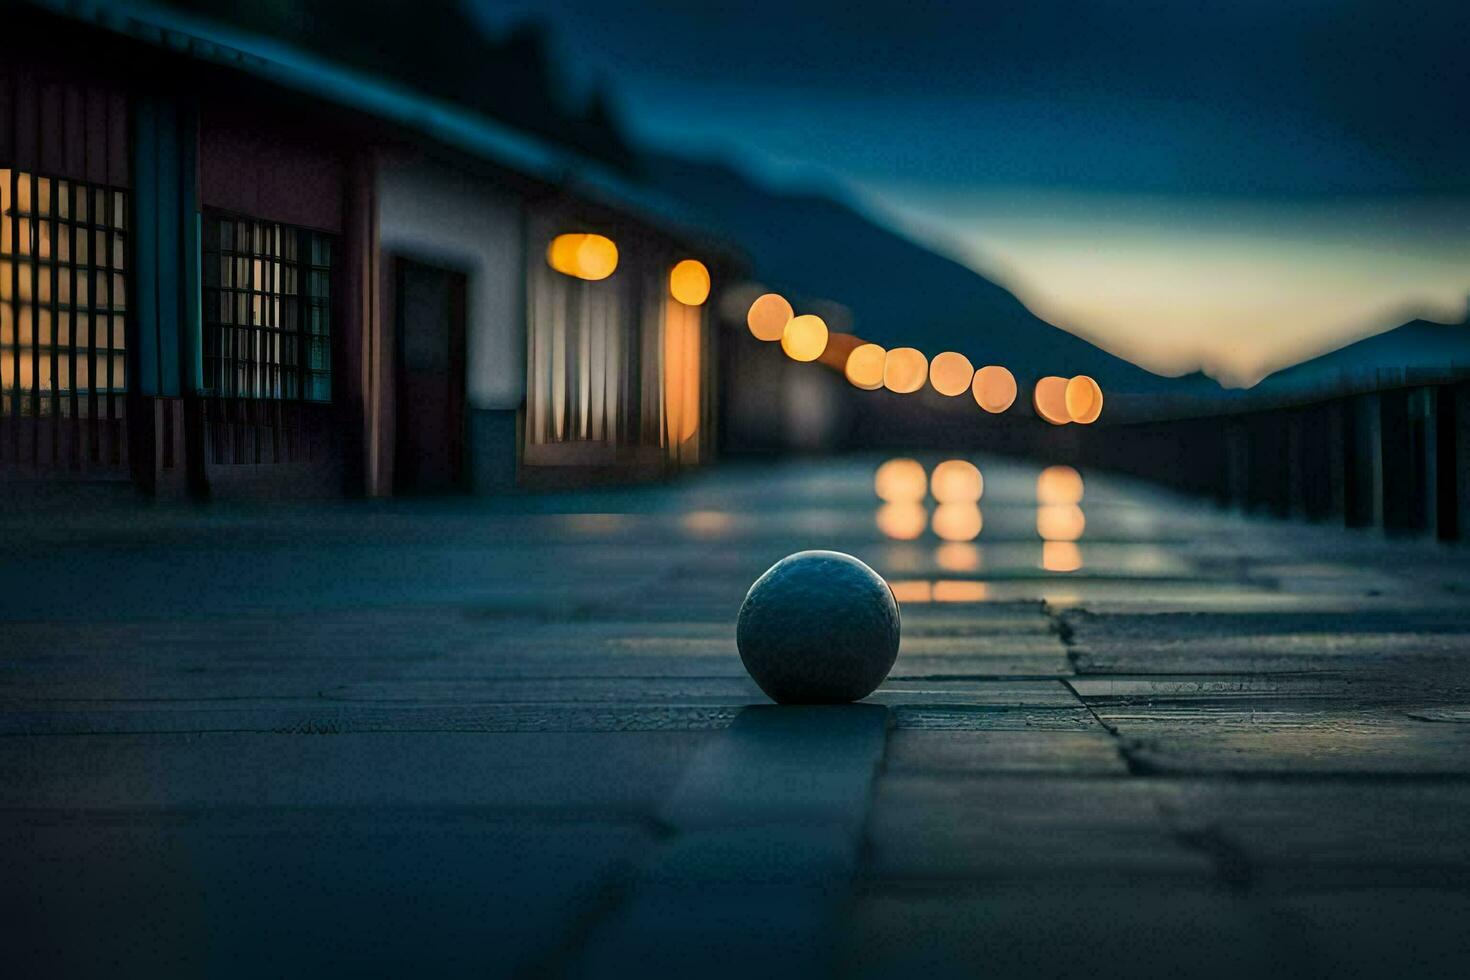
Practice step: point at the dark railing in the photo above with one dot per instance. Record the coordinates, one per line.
(1396, 459)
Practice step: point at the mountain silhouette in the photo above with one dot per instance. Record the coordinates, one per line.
(901, 294)
(1419, 351)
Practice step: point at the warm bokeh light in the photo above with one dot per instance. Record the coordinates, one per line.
(951, 373)
(865, 366)
(682, 341)
(561, 254)
(1059, 485)
(958, 556)
(768, 316)
(1050, 400)
(708, 523)
(1060, 556)
(912, 591)
(905, 370)
(804, 338)
(994, 388)
(957, 522)
(1084, 399)
(584, 256)
(902, 520)
(959, 590)
(1060, 522)
(956, 481)
(901, 480)
(689, 282)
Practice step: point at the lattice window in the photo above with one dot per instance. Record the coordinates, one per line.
(63, 297)
(267, 310)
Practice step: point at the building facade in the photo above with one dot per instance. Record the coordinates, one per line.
(229, 269)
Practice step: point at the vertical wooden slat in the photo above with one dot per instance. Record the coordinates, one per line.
(50, 158)
(97, 127)
(117, 141)
(74, 129)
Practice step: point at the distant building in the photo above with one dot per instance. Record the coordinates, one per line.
(229, 266)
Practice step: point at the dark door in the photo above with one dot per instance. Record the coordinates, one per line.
(429, 454)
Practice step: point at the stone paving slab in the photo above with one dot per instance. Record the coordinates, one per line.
(1273, 827)
(1127, 927)
(347, 896)
(1283, 642)
(1030, 751)
(1018, 826)
(627, 771)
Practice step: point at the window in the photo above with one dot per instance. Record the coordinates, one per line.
(63, 297)
(267, 310)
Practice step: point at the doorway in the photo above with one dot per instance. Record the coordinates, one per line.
(430, 381)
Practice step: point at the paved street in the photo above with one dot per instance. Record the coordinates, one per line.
(514, 737)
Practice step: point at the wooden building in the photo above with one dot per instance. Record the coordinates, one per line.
(232, 267)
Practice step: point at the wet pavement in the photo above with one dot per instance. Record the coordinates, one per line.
(514, 737)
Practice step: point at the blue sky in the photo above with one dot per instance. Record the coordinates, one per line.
(1231, 188)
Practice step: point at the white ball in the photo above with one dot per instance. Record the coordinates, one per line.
(819, 627)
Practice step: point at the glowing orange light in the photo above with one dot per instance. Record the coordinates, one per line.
(561, 254)
(1059, 485)
(958, 556)
(1050, 400)
(1060, 522)
(901, 479)
(597, 257)
(865, 366)
(902, 520)
(768, 316)
(682, 330)
(1084, 400)
(1060, 556)
(584, 256)
(708, 523)
(689, 282)
(957, 522)
(905, 370)
(951, 373)
(805, 337)
(912, 591)
(994, 388)
(956, 481)
(957, 590)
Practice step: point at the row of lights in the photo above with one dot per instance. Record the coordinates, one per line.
(595, 257)
(904, 370)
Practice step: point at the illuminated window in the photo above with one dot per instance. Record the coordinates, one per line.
(63, 297)
(618, 371)
(267, 310)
